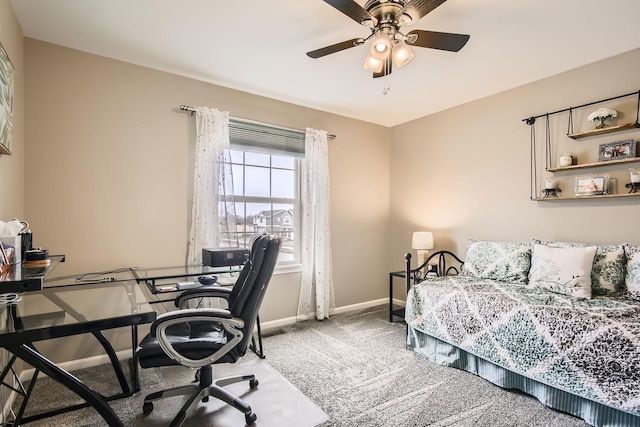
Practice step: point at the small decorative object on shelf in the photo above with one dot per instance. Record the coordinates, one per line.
(592, 185)
(602, 115)
(566, 159)
(550, 189)
(551, 192)
(634, 185)
(618, 150)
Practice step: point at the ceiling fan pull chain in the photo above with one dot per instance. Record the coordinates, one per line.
(387, 77)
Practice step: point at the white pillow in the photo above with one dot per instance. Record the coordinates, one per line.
(562, 270)
(607, 275)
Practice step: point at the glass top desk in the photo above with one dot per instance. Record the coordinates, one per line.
(161, 283)
(64, 308)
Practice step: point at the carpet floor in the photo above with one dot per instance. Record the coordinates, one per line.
(353, 366)
(356, 368)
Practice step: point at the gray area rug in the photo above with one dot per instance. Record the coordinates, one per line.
(276, 402)
(353, 366)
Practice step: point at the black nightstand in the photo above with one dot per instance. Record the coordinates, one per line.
(400, 311)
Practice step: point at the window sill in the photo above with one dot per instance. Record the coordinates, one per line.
(288, 268)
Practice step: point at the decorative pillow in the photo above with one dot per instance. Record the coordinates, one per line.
(503, 261)
(607, 276)
(562, 270)
(633, 270)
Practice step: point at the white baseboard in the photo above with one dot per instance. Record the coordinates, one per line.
(74, 365)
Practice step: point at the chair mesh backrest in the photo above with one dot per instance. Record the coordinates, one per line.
(254, 295)
(248, 275)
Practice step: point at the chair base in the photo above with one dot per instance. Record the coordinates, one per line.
(201, 392)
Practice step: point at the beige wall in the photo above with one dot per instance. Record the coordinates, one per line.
(110, 158)
(12, 167)
(464, 173)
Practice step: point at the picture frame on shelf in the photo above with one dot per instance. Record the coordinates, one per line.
(592, 185)
(6, 102)
(618, 150)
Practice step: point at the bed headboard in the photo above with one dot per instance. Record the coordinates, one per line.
(439, 263)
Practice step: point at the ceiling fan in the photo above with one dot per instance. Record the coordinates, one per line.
(385, 19)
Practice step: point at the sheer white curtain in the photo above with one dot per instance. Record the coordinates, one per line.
(212, 178)
(317, 279)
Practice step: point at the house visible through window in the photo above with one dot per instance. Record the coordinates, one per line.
(265, 164)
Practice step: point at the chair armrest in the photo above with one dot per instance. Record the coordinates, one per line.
(188, 314)
(232, 325)
(202, 292)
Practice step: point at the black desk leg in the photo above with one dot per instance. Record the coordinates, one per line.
(38, 361)
(135, 379)
(390, 298)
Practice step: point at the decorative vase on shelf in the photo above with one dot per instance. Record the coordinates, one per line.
(602, 115)
(602, 124)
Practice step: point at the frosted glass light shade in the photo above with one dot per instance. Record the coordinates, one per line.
(422, 240)
(373, 64)
(380, 47)
(402, 55)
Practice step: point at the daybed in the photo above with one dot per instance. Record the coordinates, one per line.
(559, 321)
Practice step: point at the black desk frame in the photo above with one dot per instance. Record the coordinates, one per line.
(20, 344)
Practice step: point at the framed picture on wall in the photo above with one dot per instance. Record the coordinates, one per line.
(617, 150)
(6, 102)
(592, 185)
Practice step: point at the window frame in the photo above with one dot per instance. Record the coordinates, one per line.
(244, 200)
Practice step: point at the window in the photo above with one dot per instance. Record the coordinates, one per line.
(265, 171)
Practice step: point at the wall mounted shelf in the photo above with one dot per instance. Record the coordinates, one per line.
(595, 165)
(608, 129)
(537, 169)
(603, 196)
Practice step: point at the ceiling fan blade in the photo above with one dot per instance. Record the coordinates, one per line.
(353, 10)
(327, 50)
(436, 40)
(386, 68)
(416, 9)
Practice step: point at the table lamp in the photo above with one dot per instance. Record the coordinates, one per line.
(422, 241)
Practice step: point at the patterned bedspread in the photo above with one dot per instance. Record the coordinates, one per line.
(590, 348)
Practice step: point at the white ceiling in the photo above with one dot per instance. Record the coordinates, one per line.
(259, 46)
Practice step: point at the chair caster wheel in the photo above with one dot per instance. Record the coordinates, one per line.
(253, 383)
(147, 407)
(250, 418)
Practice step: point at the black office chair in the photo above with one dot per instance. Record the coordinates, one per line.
(201, 337)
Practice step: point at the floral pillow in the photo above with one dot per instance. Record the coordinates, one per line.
(633, 270)
(562, 270)
(503, 261)
(607, 276)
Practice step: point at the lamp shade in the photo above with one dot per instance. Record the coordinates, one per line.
(422, 240)
(402, 55)
(380, 47)
(373, 64)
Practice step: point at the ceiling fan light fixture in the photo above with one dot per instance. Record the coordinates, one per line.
(381, 47)
(374, 65)
(405, 19)
(402, 55)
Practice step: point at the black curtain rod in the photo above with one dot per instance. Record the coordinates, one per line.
(193, 110)
(531, 120)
